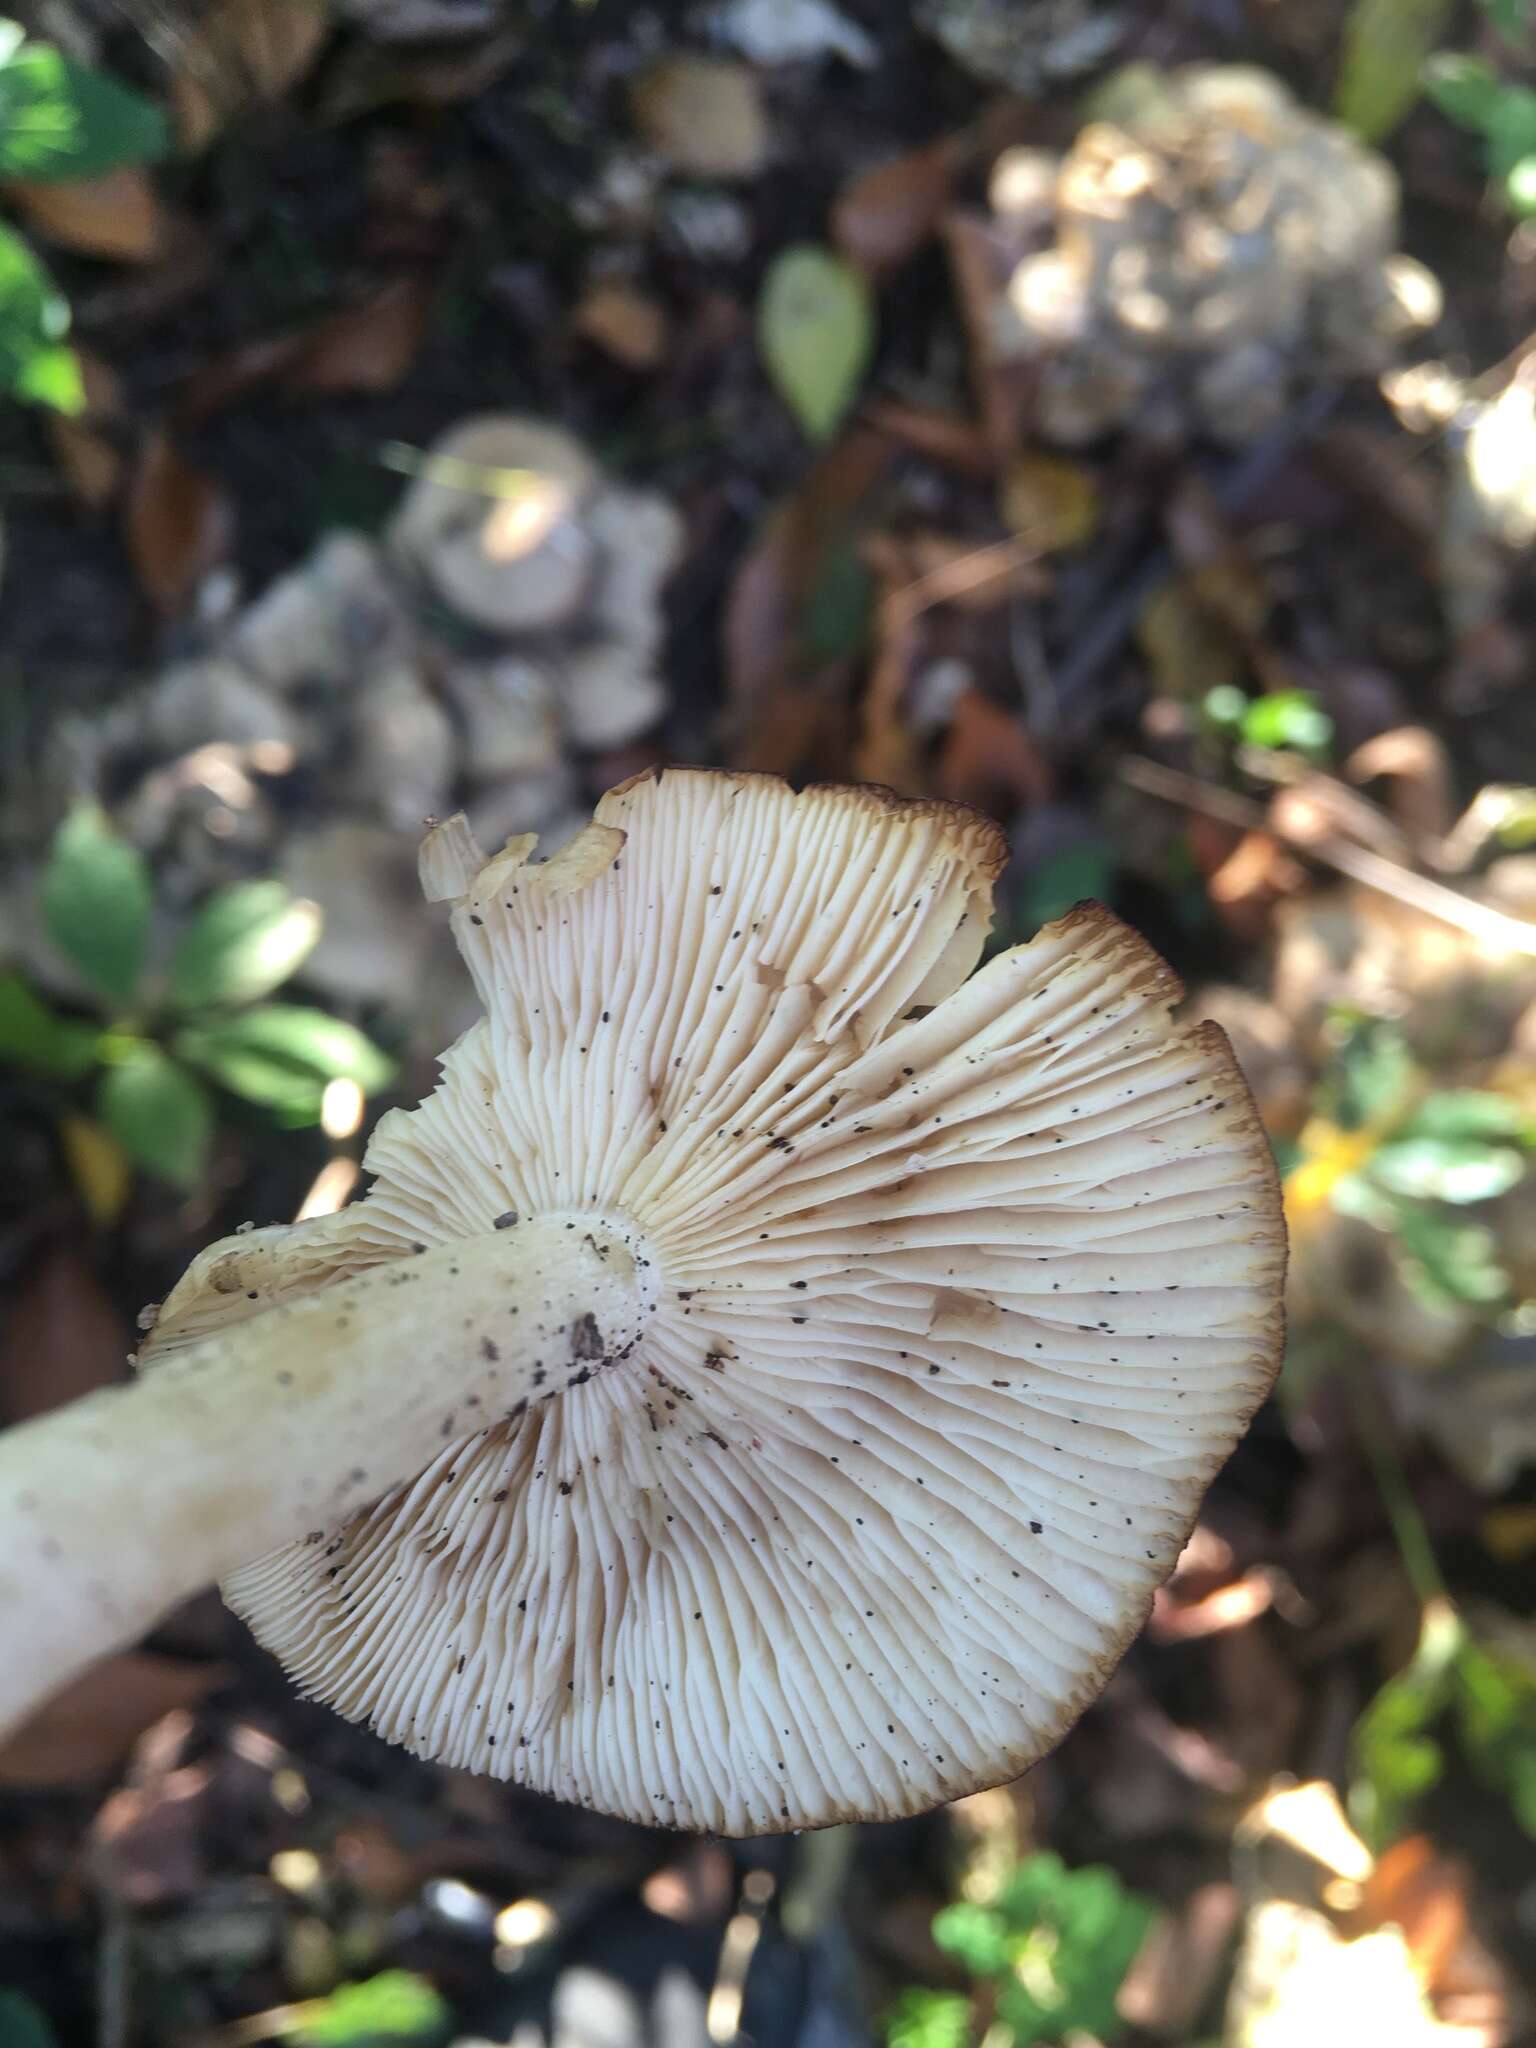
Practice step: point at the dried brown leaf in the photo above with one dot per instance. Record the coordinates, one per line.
(624, 323)
(704, 115)
(1049, 501)
(767, 600)
(235, 374)
(92, 1724)
(944, 437)
(117, 215)
(366, 348)
(63, 1337)
(1416, 767)
(884, 215)
(177, 523)
(988, 760)
(1176, 1969)
(241, 53)
(1424, 1893)
(980, 262)
(368, 75)
(1231, 1606)
(89, 456)
(1246, 885)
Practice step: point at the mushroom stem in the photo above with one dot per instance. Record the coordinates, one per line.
(286, 1425)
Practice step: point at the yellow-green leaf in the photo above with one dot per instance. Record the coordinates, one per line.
(1385, 45)
(815, 332)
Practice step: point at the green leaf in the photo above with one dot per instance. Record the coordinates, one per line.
(1511, 128)
(1447, 1169)
(1495, 1701)
(159, 1113)
(96, 902)
(1520, 186)
(37, 1038)
(35, 362)
(1290, 719)
(22, 2025)
(60, 119)
(397, 2005)
(929, 2019)
(974, 1935)
(835, 622)
(282, 1056)
(1397, 1755)
(1452, 1261)
(1352, 1194)
(1510, 17)
(1465, 89)
(1225, 707)
(1385, 43)
(1470, 1113)
(1373, 1076)
(815, 333)
(244, 942)
(1077, 1934)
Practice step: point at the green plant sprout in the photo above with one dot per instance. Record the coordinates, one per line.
(1385, 1147)
(1470, 91)
(157, 1041)
(1047, 1956)
(59, 121)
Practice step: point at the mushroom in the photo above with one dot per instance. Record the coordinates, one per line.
(766, 1380)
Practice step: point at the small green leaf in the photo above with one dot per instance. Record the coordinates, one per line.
(1511, 128)
(1470, 1113)
(1353, 1194)
(835, 622)
(36, 364)
(1373, 1076)
(1465, 89)
(37, 1038)
(397, 2005)
(929, 2019)
(61, 120)
(1510, 17)
(1225, 707)
(96, 902)
(159, 1113)
(22, 2025)
(282, 1056)
(815, 332)
(244, 942)
(1455, 1170)
(1385, 43)
(1397, 1754)
(1452, 1261)
(1520, 186)
(1288, 719)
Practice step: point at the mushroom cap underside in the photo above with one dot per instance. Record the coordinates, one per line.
(966, 1286)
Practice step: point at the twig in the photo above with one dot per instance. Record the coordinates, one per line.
(967, 573)
(1408, 1526)
(1372, 870)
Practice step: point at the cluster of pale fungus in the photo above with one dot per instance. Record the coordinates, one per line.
(767, 1378)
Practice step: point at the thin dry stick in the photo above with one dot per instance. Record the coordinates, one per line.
(1372, 870)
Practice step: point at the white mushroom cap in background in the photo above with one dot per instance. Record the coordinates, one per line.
(494, 523)
(960, 1290)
